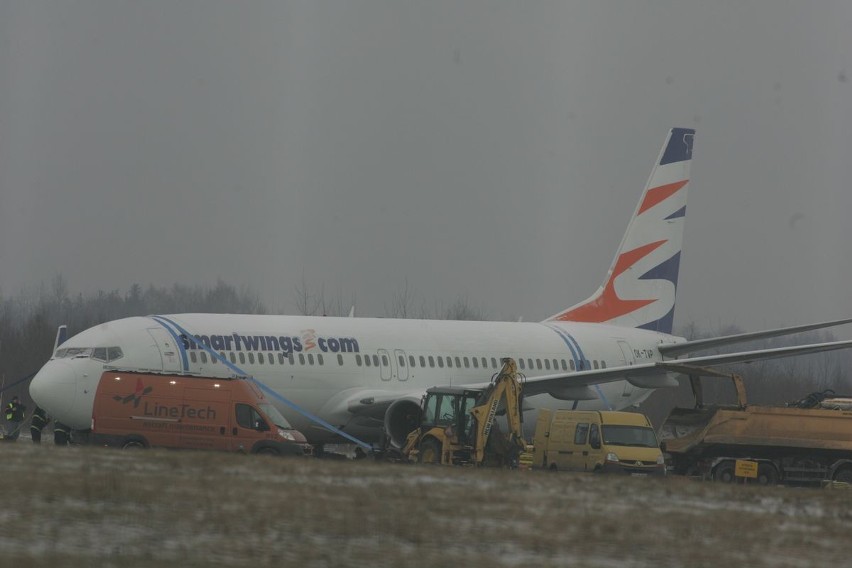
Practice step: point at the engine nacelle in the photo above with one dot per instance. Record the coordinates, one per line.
(401, 418)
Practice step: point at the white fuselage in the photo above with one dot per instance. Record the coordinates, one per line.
(321, 363)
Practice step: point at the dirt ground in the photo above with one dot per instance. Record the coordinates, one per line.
(76, 507)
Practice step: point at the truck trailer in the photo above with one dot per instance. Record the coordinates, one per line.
(790, 444)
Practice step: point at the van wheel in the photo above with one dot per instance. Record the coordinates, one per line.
(268, 451)
(133, 445)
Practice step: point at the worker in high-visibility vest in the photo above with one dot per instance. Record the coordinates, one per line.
(61, 434)
(14, 416)
(37, 423)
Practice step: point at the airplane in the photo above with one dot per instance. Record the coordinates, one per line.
(366, 376)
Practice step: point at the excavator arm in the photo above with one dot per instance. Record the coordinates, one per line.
(506, 386)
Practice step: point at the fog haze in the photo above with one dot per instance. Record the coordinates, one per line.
(487, 150)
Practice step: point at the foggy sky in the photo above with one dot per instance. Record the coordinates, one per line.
(479, 149)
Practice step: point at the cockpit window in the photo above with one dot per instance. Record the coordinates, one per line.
(114, 353)
(105, 354)
(69, 352)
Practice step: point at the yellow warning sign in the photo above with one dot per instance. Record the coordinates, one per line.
(746, 468)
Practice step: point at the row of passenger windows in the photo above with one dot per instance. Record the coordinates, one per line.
(374, 360)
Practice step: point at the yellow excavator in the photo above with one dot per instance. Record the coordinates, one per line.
(458, 425)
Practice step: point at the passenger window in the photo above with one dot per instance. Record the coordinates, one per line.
(375, 360)
(580, 365)
(493, 363)
(603, 364)
(203, 357)
(385, 361)
(595, 437)
(301, 358)
(270, 358)
(450, 362)
(521, 364)
(366, 360)
(251, 358)
(358, 360)
(192, 356)
(595, 363)
(538, 364)
(319, 359)
(580, 434)
(280, 358)
(466, 363)
(458, 363)
(310, 358)
(572, 365)
(340, 359)
(431, 361)
(547, 364)
(484, 362)
(530, 364)
(291, 358)
(411, 361)
(475, 362)
(242, 357)
(422, 361)
(232, 357)
(440, 361)
(401, 361)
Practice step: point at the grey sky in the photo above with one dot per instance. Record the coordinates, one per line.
(491, 150)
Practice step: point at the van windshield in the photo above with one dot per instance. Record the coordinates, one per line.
(639, 436)
(275, 416)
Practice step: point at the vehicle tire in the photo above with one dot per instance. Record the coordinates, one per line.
(724, 472)
(133, 445)
(766, 474)
(268, 451)
(430, 451)
(843, 475)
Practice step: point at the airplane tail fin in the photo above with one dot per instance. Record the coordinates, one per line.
(640, 286)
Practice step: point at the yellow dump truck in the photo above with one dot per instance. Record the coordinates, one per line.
(597, 441)
(781, 444)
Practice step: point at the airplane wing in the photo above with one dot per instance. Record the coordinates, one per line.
(676, 349)
(577, 386)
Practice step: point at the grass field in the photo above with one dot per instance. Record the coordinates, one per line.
(76, 507)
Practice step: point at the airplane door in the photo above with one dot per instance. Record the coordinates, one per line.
(627, 358)
(168, 350)
(401, 365)
(386, 366)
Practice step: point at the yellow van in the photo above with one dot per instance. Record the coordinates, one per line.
(597, 441)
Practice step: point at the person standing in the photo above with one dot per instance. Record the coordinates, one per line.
(37, 423)
(14, 416)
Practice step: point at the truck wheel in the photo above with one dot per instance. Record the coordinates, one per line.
(430, 452)
(844, 475)
(133, 445)
(767, 474)
(724, 472)
(268, 451)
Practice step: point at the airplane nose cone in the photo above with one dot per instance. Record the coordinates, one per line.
(54, 386)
